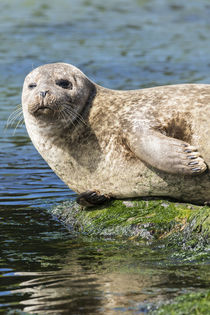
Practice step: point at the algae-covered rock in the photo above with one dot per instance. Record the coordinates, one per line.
(180, 230)
(147, 220)
(195, 303)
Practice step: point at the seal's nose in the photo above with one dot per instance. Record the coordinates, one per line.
(43, 93)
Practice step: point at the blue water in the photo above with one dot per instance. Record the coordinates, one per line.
(118, 44)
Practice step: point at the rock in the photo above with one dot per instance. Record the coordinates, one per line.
(149, 220)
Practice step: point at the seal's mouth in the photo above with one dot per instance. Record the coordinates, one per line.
(42, 110)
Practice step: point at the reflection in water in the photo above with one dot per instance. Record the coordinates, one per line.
(89, 282)
(93, 293)
(106, 285)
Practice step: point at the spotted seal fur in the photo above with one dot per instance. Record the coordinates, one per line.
(120, 144)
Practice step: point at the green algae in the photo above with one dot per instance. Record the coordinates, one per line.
(148, 220)
(184, 228)
(195, 303)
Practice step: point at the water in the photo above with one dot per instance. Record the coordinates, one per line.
(119, 44)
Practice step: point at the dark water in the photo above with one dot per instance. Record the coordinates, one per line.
(119, 44)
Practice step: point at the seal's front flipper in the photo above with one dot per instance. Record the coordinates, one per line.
(91, 199)
(165, 153)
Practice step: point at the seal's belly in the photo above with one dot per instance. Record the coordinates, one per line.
(124, 178)
(136, 179)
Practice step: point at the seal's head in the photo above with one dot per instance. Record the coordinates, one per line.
(56, 93)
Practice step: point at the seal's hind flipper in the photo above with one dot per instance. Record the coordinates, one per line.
(166, 153)
(91, 199)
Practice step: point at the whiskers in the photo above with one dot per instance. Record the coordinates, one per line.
(15, 119)
(70, 116)
(65, 115)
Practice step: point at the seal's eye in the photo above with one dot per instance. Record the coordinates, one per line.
(65, 84)
(32, 86)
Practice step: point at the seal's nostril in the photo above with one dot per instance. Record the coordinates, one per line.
(43, 93)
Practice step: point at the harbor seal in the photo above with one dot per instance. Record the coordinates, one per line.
(107, 143)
